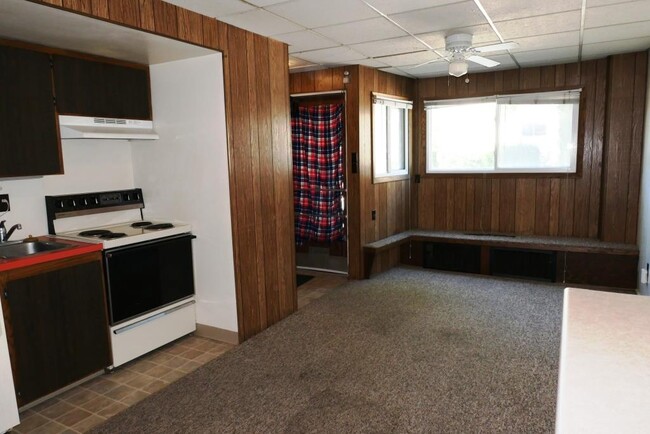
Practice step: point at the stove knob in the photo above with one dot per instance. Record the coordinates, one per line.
(96, 200)
(59, 203)
(85, 201)
(74, 203)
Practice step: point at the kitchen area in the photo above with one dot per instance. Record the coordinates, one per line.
(114, 192)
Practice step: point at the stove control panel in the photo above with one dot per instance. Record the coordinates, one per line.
(70, 205)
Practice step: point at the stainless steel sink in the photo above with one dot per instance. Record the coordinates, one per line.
(13, 250)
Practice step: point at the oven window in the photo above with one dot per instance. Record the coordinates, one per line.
(148, 276)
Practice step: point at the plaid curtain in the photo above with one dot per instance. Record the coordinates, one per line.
(318, 172)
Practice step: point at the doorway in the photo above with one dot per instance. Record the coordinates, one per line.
(319, 181)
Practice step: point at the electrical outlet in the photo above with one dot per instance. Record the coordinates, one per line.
(644, 276)
(373, 215)
(4, 203)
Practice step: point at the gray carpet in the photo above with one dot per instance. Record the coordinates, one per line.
(406, 351)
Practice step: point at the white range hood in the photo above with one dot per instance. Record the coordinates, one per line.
(81, 127)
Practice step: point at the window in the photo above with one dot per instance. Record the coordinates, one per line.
(524, 133)
(390, 137)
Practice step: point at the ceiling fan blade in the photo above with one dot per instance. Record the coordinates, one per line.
(483, 61)
(426, 63)
(496, 47)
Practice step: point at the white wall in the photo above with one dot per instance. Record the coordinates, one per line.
(184, 175)
(89, 165)
(644, 201)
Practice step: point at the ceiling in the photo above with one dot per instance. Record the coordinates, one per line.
(30, 22)
(398, 35)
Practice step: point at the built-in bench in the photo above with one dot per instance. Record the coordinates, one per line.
(569, 260)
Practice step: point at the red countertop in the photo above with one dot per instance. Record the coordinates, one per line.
(76, 248)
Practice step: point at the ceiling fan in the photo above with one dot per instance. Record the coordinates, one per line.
(460, 49)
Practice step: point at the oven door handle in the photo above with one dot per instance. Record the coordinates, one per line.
(152, 318)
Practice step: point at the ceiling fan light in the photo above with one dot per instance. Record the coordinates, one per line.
(457, 68)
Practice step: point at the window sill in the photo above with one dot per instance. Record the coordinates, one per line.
(390, 178)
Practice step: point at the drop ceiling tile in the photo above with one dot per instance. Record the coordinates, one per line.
(397, 71)
(396, 7)
(296, 62)
(389, 47)
(435, 69)
(372, 29)
(263, 3)
(315, 13)
(336, 55)
(502, 10)
(540, 25)
(481, 35)
(213, 8)
(613, 33)
(593, 3)
(552, 40)
(603, 49)
(261, 22)
(547, 57)
(449, 16)
(305, 40)
(372, 63)
(617, 14)
(410, 59)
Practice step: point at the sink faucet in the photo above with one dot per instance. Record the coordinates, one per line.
(4, 235)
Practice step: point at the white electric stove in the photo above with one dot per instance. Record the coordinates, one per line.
(148, 267)
(129, 232)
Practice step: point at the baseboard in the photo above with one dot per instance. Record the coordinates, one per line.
(217, 334)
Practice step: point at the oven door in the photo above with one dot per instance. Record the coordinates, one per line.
(147, 276)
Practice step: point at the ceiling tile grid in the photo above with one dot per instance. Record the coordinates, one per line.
(398, 35)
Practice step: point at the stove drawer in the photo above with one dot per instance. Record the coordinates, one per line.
(140, 336)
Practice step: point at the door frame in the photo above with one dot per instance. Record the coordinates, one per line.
(346, 165)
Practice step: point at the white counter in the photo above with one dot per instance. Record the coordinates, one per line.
(604, 384)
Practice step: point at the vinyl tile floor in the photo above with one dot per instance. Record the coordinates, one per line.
(85, 406)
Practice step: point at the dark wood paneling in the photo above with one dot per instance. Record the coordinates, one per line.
(166, 18)
(600, 201)
(190, 26)
(626, 87)
(99, 8)
(83, 6)
(147, 21)
(124, 11)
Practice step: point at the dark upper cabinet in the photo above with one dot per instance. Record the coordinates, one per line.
(89, 88)
(29, 139)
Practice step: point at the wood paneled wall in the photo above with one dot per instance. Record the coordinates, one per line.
(259, 148)
(600, 202)
(390, 200)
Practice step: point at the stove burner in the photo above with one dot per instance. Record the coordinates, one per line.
(140, 224)
(94, 233)
(111, 235)
(159, 226)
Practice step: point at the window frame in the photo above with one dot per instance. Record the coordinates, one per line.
(510, 173)
(408, 135)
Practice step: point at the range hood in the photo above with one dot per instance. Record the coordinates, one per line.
(81, 127)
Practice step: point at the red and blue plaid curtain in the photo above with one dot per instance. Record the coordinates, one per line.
(318, 172)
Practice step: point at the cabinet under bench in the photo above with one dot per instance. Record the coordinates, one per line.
(56, 323)
(553, 259)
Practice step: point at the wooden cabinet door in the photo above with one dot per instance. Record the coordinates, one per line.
(56, 328)
(90, 88)
(29, 138)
